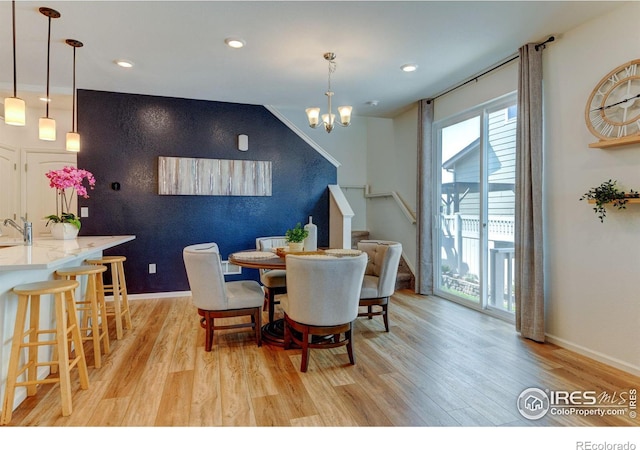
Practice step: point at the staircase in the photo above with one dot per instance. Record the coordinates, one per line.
(405, 279)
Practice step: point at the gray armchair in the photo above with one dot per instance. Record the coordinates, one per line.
(273, 281)
(216, 298)
(322, 300)
(380, 277)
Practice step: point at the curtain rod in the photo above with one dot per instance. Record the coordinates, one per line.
(497, 66)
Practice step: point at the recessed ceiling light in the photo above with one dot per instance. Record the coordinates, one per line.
(124, 63)
(409, 67)
(234, 42)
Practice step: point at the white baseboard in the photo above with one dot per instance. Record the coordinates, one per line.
(613, 362)
(153, 295)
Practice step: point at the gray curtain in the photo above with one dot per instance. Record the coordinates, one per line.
(424, 263)
(529, 241)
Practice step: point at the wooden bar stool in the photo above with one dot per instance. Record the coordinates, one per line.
(93, 326)
(118, 288)
(66, 325)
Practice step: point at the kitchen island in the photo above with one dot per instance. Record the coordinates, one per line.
(21, 264)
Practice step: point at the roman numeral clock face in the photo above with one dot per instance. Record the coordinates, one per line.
(613, 109)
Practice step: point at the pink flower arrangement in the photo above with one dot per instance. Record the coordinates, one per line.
(69, 178)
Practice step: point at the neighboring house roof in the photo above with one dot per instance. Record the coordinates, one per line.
(466, 187)
(461, 155)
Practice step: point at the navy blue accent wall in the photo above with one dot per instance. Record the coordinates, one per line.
(122, 137)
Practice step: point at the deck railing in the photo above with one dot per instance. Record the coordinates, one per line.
(461, 247)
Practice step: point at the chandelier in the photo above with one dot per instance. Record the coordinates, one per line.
(313, 114)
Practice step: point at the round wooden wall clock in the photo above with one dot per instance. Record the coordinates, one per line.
(613, 109)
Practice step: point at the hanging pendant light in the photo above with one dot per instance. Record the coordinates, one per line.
(73, 138)
(47, 126)
(328, 119)
(14, 107)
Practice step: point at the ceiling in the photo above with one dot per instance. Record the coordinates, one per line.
(178, 48)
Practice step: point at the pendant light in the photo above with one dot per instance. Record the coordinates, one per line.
(73, 138)
(47, 126)
(14, 107)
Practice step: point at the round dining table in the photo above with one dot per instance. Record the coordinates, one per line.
(254, 259)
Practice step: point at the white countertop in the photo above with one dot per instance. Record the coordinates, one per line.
(48, 253)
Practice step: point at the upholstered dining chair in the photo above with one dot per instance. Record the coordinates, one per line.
(380, 277)
(216, 298)
(322, 302)
(273, 281)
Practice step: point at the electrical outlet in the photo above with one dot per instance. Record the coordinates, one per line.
(152, 268)
(84, 211)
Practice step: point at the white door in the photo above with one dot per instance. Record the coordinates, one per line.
(9, 198)
(40, 198)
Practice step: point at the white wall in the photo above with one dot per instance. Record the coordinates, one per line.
(593, 301)
(497, 83)
(391, 166)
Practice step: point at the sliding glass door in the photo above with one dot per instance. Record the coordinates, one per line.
(475, 206)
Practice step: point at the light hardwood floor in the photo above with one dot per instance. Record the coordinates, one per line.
(440, 365)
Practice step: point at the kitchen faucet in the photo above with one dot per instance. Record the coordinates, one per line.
(27, 230)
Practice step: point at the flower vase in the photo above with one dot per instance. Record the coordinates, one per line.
(64, 231)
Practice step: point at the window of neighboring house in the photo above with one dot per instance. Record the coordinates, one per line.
(476, 206)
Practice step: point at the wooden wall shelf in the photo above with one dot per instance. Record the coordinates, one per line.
(629, 201)
(612, 143)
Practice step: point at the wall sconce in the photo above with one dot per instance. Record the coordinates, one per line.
(47, 126)
(14, 107)
(243, 142)
(73, 138)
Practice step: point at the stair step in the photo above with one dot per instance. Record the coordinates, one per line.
(357, 236)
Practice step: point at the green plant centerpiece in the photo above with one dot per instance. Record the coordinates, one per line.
(296, 234)
(295, 237)
(608, 192)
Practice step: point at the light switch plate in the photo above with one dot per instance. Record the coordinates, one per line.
(243, 142)
(84, 211)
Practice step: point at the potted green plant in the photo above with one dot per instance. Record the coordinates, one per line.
(608, 193)
(295, 237)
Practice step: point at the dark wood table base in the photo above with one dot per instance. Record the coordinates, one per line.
(273, 333)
